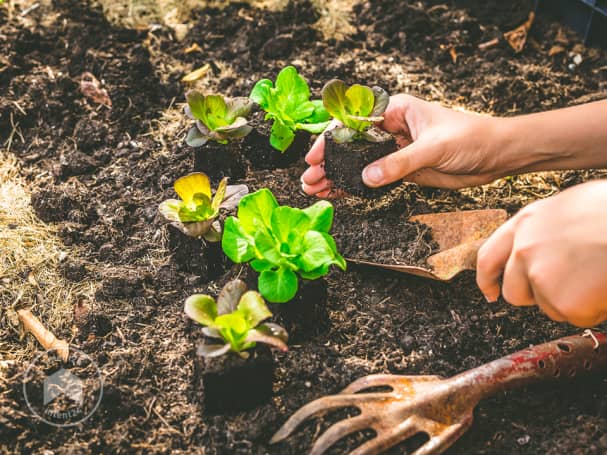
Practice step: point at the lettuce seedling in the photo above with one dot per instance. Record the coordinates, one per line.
(357, 108)
(217, 118)
(288, 104)
(236, 319)
(195, 213)
(281, 242)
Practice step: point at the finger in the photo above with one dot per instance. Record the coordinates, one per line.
(331, 193)
(516, 288)
(547, 308)
(491, 260)
(394, 116)
(313, 175)
(402, 141)
(395, 166)
(316, 155)
(313, 190)
(436, 179)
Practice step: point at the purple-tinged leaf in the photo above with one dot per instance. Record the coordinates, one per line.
(212, 350)
(230, 295)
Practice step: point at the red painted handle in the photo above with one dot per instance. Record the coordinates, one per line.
(563, 358)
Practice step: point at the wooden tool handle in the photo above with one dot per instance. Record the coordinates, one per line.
(567, 357)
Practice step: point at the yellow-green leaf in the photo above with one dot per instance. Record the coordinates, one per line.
(186, 187)
(219, 194)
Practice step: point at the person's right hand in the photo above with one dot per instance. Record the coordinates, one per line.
(441, 148)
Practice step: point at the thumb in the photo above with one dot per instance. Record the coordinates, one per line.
(397, 165)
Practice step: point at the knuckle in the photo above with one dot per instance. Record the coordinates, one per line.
(514, 296)
(484, 258)
(401, 98)
(575, 313)
(537, 277)
(394, 163)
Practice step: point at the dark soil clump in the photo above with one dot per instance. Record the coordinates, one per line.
(221, 160)
(261, 153)
(101, 174)
(389, 240)
(197, 256)
(305, 316)
(345, 162)
(231, 383)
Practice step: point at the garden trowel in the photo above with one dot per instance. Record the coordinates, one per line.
(459, 235)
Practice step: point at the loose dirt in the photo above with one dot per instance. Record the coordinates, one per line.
(106, 171)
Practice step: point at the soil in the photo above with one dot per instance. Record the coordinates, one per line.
(221, 160)
(389, 240)
(345, 162)
(305, 315)
(231, 383)
(261, 153)
(100, 176)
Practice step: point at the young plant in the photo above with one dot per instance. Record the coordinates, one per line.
(217, 118)
(287, 103)
(195, 213)
(281, 242)
(357, 108)
(236, 319)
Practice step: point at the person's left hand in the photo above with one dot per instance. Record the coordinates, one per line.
(553, 253)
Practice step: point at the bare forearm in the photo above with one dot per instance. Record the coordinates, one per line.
(570, 138)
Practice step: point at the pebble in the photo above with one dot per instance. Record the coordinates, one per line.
(105, 251)
(406, 342)
(523, 440)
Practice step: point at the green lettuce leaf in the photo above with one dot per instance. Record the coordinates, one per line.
(287, 103)
(278, 286)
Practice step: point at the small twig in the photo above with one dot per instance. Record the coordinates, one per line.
(163, 420)
(44, 336)
(9, 141)
(19, 108)
(26, 11)
(488, 44)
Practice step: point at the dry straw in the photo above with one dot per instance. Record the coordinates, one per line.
(31, 254)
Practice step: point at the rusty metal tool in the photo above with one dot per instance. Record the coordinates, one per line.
(459, 235)
(443, 408)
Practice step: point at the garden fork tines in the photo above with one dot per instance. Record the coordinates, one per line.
(443, 408)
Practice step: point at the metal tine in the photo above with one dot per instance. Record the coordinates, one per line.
(387, 380)
(366, 382)
(441, 442)
(321, 406)
(339, 430)
(387, 439)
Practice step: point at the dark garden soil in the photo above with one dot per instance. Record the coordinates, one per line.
(262, 155)
(345, 162)
(105, 175)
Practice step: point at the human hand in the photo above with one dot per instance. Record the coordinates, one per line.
(441, 147)
(553, 253)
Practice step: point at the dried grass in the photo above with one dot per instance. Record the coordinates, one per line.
(335, 18)
(335, 15)
(30, 257)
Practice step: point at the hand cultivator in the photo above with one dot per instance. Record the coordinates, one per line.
(459, 236)
(443, 408)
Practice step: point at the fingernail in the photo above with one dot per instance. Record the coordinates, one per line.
(373, 174)
(489, 299)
